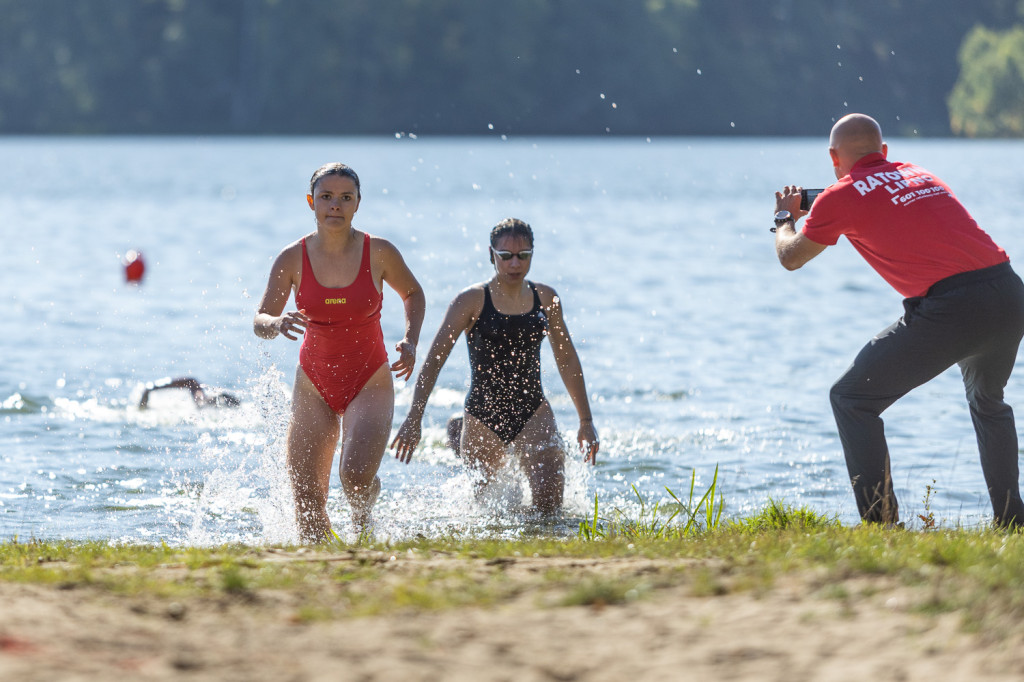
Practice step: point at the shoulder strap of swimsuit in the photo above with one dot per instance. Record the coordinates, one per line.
(488, 303)
(365, 274)
(366, 252)
(306, 265)
(536, 297)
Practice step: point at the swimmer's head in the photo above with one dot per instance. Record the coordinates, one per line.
(511, 227)
(334, 169)
(213, 397)
(227, 400)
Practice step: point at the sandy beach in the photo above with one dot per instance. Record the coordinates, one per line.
(686, 620)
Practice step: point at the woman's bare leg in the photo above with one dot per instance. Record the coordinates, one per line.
(481, 448)
(542, 458)
(312, 438)
(367, 425)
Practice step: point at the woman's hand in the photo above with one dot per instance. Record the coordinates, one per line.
(406, 362)
(292, 324)
(588, 441)
(408, 438)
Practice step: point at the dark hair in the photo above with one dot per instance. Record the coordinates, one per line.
(334, 169)
(511, 227)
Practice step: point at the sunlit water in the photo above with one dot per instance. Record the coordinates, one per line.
(700, 351)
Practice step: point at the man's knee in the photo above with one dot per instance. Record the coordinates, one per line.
(841, 397)
(984, 400)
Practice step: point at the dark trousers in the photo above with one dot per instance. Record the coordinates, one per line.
(974, 319)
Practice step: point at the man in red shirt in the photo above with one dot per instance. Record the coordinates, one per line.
(963, 304)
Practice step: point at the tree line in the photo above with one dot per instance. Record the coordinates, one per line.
(592, 67)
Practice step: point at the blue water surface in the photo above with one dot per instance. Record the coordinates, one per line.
(699, 350)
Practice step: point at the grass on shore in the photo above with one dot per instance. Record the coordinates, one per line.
(976, 572)
(613, 560)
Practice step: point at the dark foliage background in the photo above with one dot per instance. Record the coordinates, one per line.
(695, 67)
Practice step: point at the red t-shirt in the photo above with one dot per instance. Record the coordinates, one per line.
(905, 222)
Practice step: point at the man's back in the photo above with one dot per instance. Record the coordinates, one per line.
(905, 222)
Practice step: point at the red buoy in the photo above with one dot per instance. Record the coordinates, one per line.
(134, 266)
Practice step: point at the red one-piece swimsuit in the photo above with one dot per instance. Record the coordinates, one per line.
(343, 345)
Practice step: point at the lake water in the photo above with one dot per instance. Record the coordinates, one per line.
(699, 350)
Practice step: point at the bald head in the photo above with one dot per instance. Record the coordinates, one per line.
(856, 134)
(853, 137)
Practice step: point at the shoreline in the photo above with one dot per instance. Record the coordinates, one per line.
(725, 607)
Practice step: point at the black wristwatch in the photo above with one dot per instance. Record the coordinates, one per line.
(783, 217)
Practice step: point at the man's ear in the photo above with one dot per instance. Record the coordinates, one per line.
(831, 152)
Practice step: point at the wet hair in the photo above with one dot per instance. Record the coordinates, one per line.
(334, 169)
(511, 227)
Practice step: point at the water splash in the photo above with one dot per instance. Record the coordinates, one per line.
(245, 495)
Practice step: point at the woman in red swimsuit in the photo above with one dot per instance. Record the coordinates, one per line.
(343, 386)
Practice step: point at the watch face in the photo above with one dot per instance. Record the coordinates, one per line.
(783, 216)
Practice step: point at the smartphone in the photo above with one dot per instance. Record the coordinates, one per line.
(807, 197)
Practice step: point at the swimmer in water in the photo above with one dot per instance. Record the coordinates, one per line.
(505, 321)
(343, 385)
(203, 395)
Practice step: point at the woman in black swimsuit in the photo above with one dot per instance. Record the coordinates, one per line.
(505, 320)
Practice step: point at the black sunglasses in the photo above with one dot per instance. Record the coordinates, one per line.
(507, 255)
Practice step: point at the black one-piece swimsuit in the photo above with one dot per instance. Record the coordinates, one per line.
(504, 356)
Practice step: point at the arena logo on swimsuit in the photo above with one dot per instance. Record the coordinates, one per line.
(334, 301)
